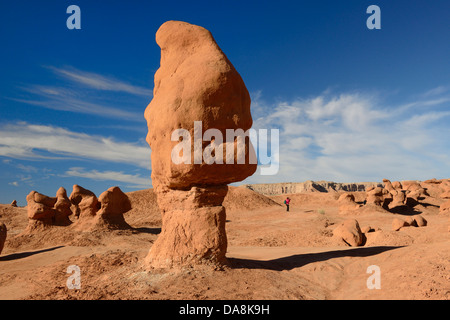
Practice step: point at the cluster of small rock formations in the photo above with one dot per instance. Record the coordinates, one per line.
(88, 211)
(351, 234)
(398, 197)
(395, 197)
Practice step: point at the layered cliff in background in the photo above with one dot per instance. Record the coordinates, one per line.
(270, 189)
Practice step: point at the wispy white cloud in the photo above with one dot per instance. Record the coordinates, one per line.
(29, 141)
(436, 91)
(28, 168)
(355, 137)
(100, 82)
(22, 180)
(134, 181)
(74, 100)
(81, 93)
(422, 120)
(74, 105)
(423, 103)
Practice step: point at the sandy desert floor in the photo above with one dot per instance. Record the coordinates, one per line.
(272, 255)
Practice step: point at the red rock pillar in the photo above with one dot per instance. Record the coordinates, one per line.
(196, 89)
(193, 228)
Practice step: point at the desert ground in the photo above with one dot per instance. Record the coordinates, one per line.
(272, 254)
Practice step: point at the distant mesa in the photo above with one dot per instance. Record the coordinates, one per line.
(271, 189)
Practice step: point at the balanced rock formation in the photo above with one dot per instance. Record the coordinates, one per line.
(3, 233)
(414, 191)
(347, 203)
(40, 209)
(198, 96)
(396, 193)
(349, 233)
(85, 202)
(104, 212)
(398, 199)
(62, 207)
(114, 203)
(46, 211)
(378, 196)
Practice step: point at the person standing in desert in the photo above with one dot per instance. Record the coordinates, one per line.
(286, 202)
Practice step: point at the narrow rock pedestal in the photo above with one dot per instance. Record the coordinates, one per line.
(193, 228)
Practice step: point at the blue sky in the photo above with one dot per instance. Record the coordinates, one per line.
(351, 104)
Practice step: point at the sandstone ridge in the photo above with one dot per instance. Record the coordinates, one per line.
(270, 189)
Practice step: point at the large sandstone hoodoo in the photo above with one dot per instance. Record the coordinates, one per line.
(3, 233)
(40, 209)
(347, 203)
(378, 196)
(62, 207)
(46, 211)
(114, 203)
(195, 83)
(85, 202)
(104, 212)
(349, 233)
